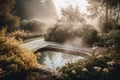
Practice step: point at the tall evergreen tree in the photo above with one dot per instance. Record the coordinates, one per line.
(72, 16)
(111, 9)
(108, 9)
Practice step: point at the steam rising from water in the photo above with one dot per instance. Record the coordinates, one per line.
(45, 11)
(76, 42)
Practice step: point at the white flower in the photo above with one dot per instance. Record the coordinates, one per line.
(94, 48)
(99, 56)
(75, 60)
(12, 65)
(96, 53)
(84, 69)
(79, 65)
(0, 69)
(97, 68)
(111, 63)
(73, 71)
(105, 70)
(65, 75)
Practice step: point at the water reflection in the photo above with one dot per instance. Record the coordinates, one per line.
(56, 59)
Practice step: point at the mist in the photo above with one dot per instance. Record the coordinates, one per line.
(76, 42)
(41, 15)
(43, 10)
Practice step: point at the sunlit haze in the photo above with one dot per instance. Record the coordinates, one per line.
(82, 4)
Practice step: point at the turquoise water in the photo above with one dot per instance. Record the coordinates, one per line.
(56, 59)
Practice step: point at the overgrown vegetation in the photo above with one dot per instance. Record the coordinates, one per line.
(100, 67)
(61, 33)
(14, 57)
(106, 64)
(72, 25)
(33, 25)
(18, 34)
(7, 18)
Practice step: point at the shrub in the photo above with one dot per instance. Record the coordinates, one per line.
(61, 33)
(33, 25)
(114, 37)
(105, 67)
(17, 34)
(116, 27)
(14, 57)
(89, 35)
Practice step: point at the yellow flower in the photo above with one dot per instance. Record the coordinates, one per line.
(105, 70)
(84, 69)
(97, 68)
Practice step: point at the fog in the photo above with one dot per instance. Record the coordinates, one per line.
(40, 9)
(44, 11)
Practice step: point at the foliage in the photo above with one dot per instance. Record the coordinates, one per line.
(7, 18)
(14, 57)
(72, 16)
(116, 27)
(17, 34)
(89, 35)
(105, 27)
(100, 67)
(110, 8)
(114, 37)
(32, 25)
(60, 33)
(108, 12)
(72, 25)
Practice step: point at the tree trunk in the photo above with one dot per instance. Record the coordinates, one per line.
(118, 17)
(106, 12)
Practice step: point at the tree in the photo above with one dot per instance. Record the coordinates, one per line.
(33, 25)
(7, 17)
(114, 37)
(89, 35)
(111, 9)
(108, 10)
(72, 16)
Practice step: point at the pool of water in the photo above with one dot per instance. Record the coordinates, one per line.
(56, 59)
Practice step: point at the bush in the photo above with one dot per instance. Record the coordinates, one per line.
(14, 57)
(33, 25)
(114, 37)
(90, 35)
(17, 34)
(61, 33)
(116, 27)
(101, 67)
